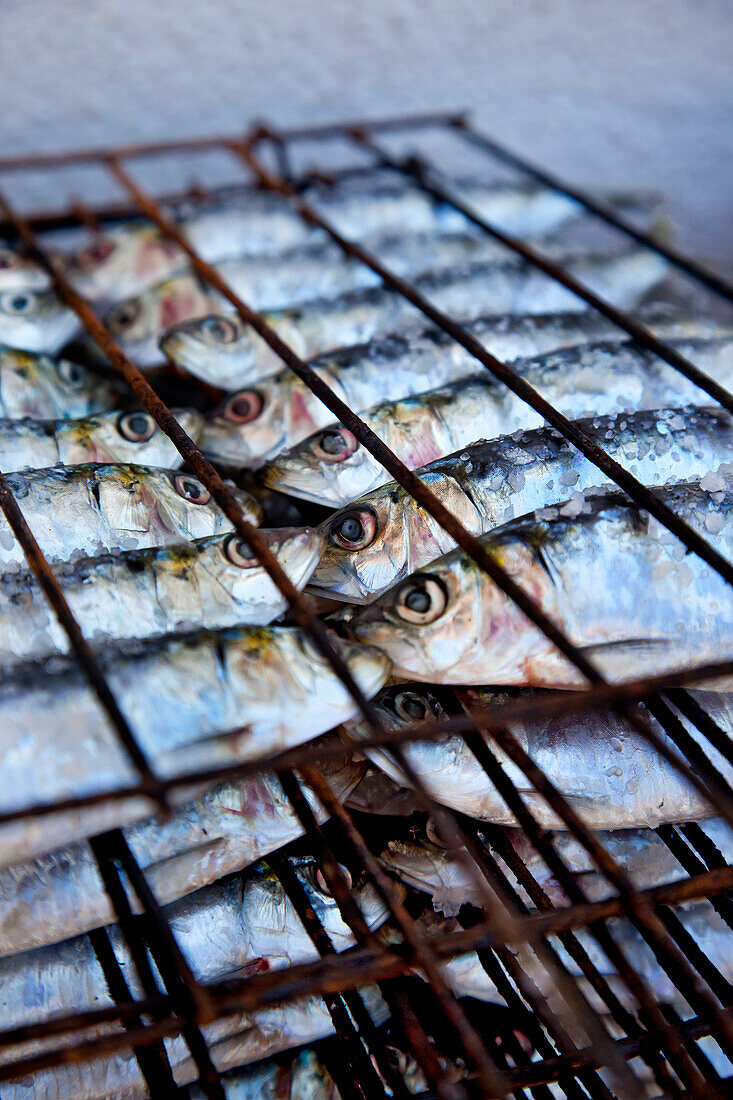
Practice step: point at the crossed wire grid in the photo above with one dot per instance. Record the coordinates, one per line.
(175, 1003)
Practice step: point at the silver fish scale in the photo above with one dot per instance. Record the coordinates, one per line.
(467, 292)
(489, 483)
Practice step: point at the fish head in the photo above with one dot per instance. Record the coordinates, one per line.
(220, 349)
(18, 272)
(137, 499)
(36, 320)
(384, 536)
(134, 436)
(275, 935)
(402, 704)
(253, 424)
(138, 322)
(433, 624)
(451, 623)
(123, 262)
(228, 567)
(329, 468)
(40, 386)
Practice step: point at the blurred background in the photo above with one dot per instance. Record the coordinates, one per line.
(612, 93)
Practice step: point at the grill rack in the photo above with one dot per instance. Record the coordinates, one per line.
(186, 1005)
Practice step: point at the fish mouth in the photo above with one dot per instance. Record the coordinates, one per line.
(182, 347)
(299, 550)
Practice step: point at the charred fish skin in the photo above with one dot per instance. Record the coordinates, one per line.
(331, 467)
(82, 511)
(449, 623)
(127, 260)
(36, 385)
(605, 768)
(224, 351)
(208, 584)
(35, 321)
(193, 701)
(131, 437)
(53, 895)
(378, 540)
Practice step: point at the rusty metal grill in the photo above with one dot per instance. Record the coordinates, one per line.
(507, 932)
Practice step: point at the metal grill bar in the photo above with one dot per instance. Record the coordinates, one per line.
(206, 271)
(219, 1000)
(705, 275)
(626, 321)
(360, 967)
(54, 594)
(553, 704)
(406, 477)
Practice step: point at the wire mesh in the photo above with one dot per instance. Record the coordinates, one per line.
(509, 934)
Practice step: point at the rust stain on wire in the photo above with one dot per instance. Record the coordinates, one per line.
(369, 961)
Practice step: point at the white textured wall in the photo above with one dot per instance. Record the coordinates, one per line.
(615, 92)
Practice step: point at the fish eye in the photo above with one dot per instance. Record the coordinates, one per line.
(354, 530)
(137, 427)
(123, 316)
(335, 445)
(95, 253)
(237, 552)
(433, 835)
(323, 885)
(18, 303)
(191, 489)
(410, 705)
(243, 407)
(219, 330)
(73, 374)
(421, 601)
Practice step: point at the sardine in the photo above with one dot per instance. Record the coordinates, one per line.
(331, 467)
(239, 1040)
(379, 539)
(61, 894)
(212, 583)
(467, 977)
(254, 425)
(616, 582)
(279, 282)
(81, 511)
(194, 701)
(641, 852)
(302, 1077)
(430, 868)
(378, 794)
(18, 272)
(239, 926)
(603, 766)
(225, 352)
(128, 259)
(108, 437)
(36, 320)
(39, 386)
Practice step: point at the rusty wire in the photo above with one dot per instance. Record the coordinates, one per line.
(299, 604)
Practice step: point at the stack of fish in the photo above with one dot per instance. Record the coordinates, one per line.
(192, 635)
